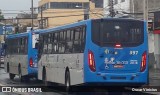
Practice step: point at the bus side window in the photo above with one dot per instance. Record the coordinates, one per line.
(45, 41)
(76, 44)
(49, 43)
(53, 43)
(26, 45)
(62, 42)
(22, 46)
(69, 42)
(17, 45)
(40, 48)
(83, 38)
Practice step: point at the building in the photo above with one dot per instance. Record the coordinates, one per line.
(24, 20)
(131, 8)
(121, 7)
(52, 13)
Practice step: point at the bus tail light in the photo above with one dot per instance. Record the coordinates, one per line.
(91, 61)
(31, 62)
(144, 61)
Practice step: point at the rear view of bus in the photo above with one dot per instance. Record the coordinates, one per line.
(117, 52)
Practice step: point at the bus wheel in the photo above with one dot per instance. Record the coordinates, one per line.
(45, 78)
(7, 67)
(11, 76)
(67, 81)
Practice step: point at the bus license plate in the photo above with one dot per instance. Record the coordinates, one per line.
(118, 66)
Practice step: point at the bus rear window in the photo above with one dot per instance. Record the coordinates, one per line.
(128, 33)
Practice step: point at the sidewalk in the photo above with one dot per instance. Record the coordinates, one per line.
(154, 77)
(154, 80)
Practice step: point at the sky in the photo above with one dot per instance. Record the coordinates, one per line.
(18, 5)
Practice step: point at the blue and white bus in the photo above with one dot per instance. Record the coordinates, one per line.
(108, 51)
(21, 55)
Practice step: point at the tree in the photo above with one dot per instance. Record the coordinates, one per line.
(1, 16)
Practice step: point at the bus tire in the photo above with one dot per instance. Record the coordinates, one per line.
(44, 78)
(7, 67)
(11, 76)
(67, 81)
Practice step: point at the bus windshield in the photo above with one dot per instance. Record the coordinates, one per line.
(128, 33)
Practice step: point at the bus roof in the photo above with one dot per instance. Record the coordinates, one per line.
(62, 27)
(119, 19)
(17, 35)
(77, 24)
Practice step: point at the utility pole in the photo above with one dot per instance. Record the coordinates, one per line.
(145, 11)
(41, 17)
(5, 31)
(133, 6)
(17, 26)
(111, 9)
(32, 13)
(86, 11)
(86, 14)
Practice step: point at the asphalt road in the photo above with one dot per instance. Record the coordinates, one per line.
(5, 81)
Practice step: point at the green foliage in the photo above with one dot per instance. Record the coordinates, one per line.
(1, 17)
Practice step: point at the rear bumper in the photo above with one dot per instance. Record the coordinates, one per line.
(116, 79)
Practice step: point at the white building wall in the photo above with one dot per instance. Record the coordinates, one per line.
(157, 50)
(151, 42)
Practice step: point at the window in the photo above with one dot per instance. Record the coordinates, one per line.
(61, 43)
(49, 43)
(76, 45)
(56, 41)
(83, 37)
(43, 23)
(129, 33)
(98, 3)
(43, 7)
(21, 46)
(115, 1)
(17, 45)
(70, 40)
(122, 0)
(85, 5)
(68, 5)
(45, 43)
(68, 35)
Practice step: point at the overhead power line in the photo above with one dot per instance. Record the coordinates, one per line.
(68, 15)
(15, 10)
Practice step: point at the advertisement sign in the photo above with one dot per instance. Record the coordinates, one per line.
(6, 29)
